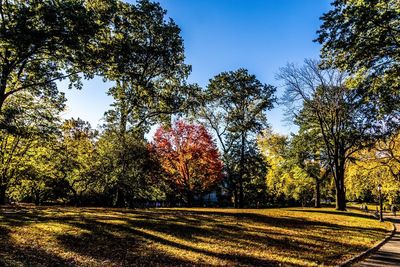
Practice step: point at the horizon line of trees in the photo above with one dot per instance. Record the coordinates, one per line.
(213, 139)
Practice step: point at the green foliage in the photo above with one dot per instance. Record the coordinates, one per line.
(76, 155)
(286, 179)
(37, 175)
(379, 165)
(147, 62)
(234, 106)
(127, 170)
(135, 46)
(362, 37)
(45, 41)
(33, 122)
(344, 105)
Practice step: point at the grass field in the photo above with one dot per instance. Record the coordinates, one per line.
(54, 236)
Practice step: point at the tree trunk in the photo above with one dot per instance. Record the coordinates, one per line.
(317, 193)
(120, 201)
(340, 190)
(37, 199)
(2, 99)
(76, 199)
(3, 86)
(340, 201)
(241, 194)
(235, 196)
(241, 172)
(3, 189)
(188, 198)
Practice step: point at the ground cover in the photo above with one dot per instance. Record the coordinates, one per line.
(65, 236)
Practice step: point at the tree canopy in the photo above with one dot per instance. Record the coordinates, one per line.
(363, 38)
(234, 105)
(46, 41)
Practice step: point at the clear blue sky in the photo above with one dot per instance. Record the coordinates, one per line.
(224, 35)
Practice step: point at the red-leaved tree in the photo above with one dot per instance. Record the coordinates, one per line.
(189, 157)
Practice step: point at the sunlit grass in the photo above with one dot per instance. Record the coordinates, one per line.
(121, 237)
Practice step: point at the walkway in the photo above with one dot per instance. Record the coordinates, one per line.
(388, 254)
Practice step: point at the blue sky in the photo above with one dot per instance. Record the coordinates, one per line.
(224, 35)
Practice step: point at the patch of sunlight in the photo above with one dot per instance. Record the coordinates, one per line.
(295, 261)
(218, 252)
(186, 250)
(56, 227)
(113, 222)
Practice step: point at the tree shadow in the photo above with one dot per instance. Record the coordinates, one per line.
(136, 243)
(12, 254)
(140, 236)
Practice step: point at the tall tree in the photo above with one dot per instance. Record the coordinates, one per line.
(321, 102)
(147, 64)
(189, 157)
(38, 173)
(234, 105)
(362, 37)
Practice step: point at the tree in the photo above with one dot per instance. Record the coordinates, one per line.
(388, 154)
(31, 121)
(234, 106)
(363, 38)
(46, 41)
(344, 119)
(254, 186)
(38, 173)
(126, 169)
(307, 152)
(147, 64)
(274, 148)
(377, 165)
(75, 154)
(189, 157)
(294, 172)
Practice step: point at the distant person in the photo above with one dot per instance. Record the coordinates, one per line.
(366, 208)
(394, 209)
(376, 214)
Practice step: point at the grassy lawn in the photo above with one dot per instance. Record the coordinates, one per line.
(54, 236)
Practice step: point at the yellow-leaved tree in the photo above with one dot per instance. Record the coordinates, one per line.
(379, 165)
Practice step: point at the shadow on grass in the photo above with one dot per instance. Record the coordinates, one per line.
(141, 236)
(17, 255)
(289, 222)
(227, 234)
(342, 213)
(113, 252)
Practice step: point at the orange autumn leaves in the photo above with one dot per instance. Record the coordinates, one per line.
(188, 156)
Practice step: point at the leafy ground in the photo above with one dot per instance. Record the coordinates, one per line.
(55, 236)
